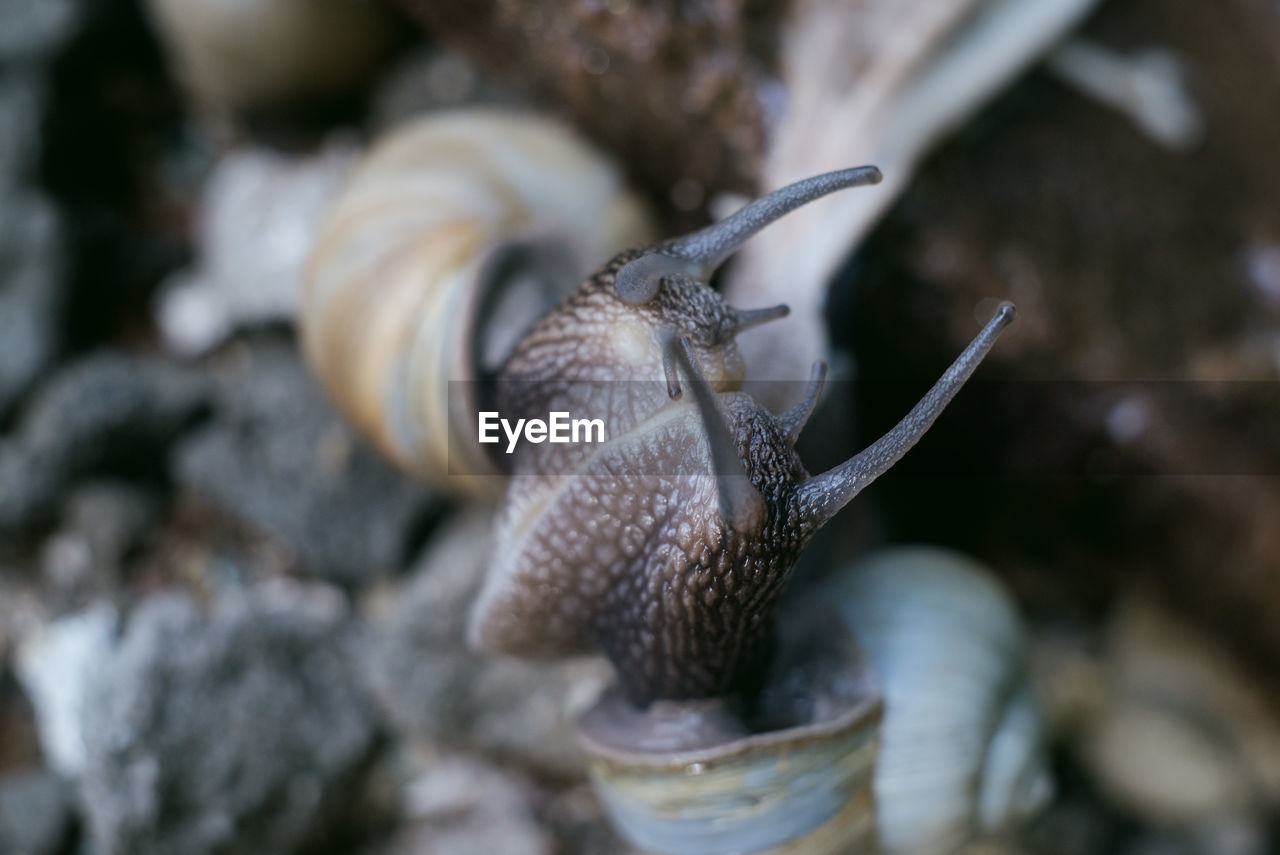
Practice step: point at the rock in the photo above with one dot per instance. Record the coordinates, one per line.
(437, 688)
(35, 813)
(19, 743)
(462, 804)
(30, 283)
(580, 823)
(54, 664)
(32, 30)
(277, 456)
(105, 410)
(241, 730)
(20, 99)
(258, 214)
(101, 522)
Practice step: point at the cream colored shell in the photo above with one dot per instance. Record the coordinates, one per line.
(245, 54)
(402, 275)
(962, 736)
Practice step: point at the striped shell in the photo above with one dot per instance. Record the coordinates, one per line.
(244, 55)
(452, 236)
(962, 738)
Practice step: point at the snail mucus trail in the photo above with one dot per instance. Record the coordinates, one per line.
(670, 547)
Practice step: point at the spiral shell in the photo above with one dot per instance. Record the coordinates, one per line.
(789, 774)
(242, 55)
(451, 238)
(961, 742)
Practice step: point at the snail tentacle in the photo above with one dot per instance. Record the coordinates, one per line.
(638, 280)
(792, 422)
(697, 255)
(822, 496)
(745, 319)
(710, 246)
(741, 505)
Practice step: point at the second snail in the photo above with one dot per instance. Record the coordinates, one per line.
(737, 726)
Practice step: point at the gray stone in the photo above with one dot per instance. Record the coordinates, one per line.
(457, 803)
(258, 214)
(31, 274)
(239, 731)
(279, 457)
(102, 410)
(34, 28)
(435, 687)
(101, 522)
(55, 663)
(35, 812)
(20, 104)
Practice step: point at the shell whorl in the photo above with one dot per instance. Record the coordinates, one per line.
(243, 55)
(961, 743)
(444, 220)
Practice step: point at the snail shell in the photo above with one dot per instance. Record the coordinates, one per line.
(924, 732)
(452, 236)
(961, 745)
(241, 55)
(788, 774)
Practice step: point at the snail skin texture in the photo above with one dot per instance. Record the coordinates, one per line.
(451, 237)
(670, 547)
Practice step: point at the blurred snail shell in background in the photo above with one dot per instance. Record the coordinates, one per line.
(242, 55)
(1179, 733)
(452, 237)
(961, 746)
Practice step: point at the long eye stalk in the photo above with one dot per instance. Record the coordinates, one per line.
(698, 255)
(741, 505)
(822, 496)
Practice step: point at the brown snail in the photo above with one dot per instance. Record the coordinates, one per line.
(671, 545)
(668, 544)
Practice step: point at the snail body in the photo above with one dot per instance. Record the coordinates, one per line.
(450, 238)
(668, 546)
(671, 545)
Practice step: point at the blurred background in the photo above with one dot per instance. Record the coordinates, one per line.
(229, 624)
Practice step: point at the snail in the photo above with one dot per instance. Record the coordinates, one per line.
(451, 236)
(671, 545)
(240, 56)
(668, 545)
